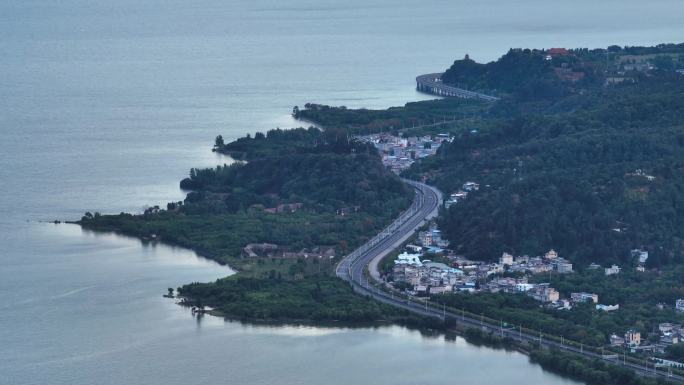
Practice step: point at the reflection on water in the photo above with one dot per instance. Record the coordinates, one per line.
(87, 308)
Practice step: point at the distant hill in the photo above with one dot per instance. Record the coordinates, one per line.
(522, 72)
(543, 74)
(590, 175)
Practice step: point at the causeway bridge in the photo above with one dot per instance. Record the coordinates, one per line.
(432, 84)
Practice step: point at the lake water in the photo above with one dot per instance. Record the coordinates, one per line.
(105, 105)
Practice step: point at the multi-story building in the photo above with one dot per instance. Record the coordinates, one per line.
(679, 305)
(584, 297)
(667, 327)
(642, 255)
(563, 266)
(506, 259)
(544, 293)
(633, 337)
(551, 255)
(615, 269)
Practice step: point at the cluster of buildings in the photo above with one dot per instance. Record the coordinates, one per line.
(425, 276)
(399, 153)
(535, 265)
(612, 270)
(668, 334)
(431, 240)
(640, 173)
(542, 292)
(462, 194)
(640, 256)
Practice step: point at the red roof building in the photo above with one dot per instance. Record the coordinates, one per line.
(558, 52)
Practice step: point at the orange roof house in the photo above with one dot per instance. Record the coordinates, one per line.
(558, 52)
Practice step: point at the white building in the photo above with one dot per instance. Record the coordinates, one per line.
(615, 269)
(643, 256)
(679, 305)
(524, 287)
(551, 255)
(408, 259)
(667, 327)
(584, 297)
(616, 340)
(563, 266)
(607, 307)
(415, 248)
(440, 289)
(506, 259)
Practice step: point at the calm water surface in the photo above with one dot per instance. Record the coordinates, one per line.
(105, 105)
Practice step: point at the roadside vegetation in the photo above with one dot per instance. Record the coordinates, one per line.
(592, 372)
(312, 298)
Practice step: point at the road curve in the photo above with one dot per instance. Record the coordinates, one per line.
(425, 206)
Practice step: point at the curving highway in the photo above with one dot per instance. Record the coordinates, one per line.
(424, 207)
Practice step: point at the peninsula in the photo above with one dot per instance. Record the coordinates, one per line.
(564, 181)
